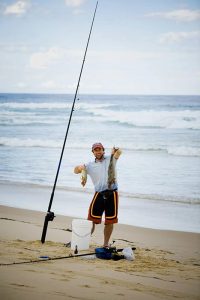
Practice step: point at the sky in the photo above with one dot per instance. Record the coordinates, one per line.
(136, 47)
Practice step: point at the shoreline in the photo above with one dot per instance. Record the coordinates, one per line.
(38, 216)
(151, 197)
(164, 215)
(166, 264)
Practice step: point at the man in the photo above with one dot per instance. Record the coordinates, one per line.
(103, 175)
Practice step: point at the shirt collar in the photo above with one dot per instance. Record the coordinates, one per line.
(99, 160)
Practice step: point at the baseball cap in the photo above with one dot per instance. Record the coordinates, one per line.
(97, 145)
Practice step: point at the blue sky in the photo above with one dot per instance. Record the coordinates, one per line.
(136, 47)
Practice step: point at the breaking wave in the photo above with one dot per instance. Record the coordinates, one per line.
(183, 119)
(42, 143)
(57, 113)
(51, 105)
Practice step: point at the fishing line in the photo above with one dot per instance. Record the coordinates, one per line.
(47, 258)
(50, 215)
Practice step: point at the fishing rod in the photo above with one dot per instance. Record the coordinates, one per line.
(50, 215)
(47, 258)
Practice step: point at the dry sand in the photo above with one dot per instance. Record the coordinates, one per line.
(166, 265)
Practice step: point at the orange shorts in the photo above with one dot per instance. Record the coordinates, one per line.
(106, 201)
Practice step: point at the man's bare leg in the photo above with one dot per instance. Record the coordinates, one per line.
(108, 229)
(93, 228)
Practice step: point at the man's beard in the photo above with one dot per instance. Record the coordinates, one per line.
(100, 158)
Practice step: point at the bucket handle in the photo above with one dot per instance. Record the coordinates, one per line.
(79, 235)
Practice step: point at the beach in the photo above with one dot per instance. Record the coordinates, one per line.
(159, 204)
(131, 84)
(166, 264)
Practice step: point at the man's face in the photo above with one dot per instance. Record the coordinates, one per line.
(98, 152)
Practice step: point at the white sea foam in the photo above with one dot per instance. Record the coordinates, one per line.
(178, 150)
(51, 105)
(177, 119)
(33, 119)
(13, 113)
(183, 119)
(48, 143)
(34, 105)
(161, 198)
(30, 120)
(184, 151)
(15, 142)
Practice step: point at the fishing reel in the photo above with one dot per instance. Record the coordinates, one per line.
(50, 216)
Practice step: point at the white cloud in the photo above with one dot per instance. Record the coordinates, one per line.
(179, 36)
(84, 86)
(18, 8)
(182, 15)
(13, 48)
(41, 60)
(91, 87)
(44, 59)
(128, 56)
(52, 85)
(21, 85)
(74, 3)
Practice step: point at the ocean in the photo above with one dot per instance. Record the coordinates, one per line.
(158, 172)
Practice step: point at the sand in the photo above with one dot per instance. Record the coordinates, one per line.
(166, 265)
